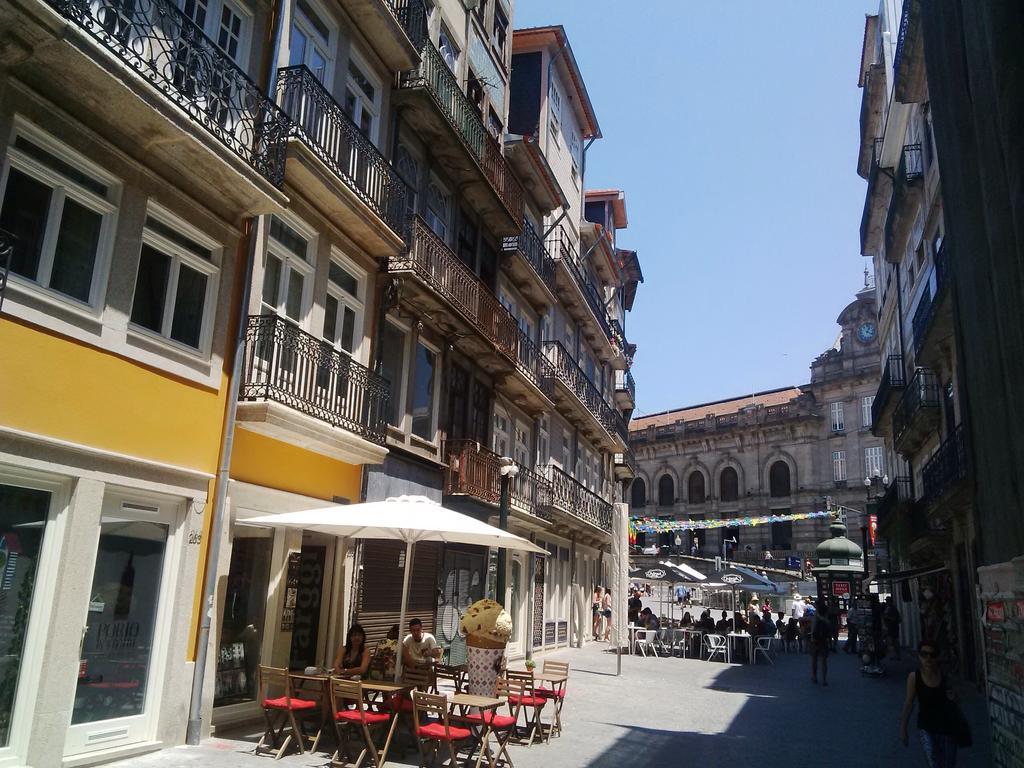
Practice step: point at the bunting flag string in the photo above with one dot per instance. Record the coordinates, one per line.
(656, 525)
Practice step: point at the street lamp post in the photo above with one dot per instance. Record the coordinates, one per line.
(871, 497)
(509, 469)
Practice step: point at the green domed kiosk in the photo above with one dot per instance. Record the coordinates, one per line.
(840, 565)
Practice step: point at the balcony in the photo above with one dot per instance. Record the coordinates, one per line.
(892, 381)
(582, 403)
(872, 106)
(575, 502)
(917, 413)
(906, 196)
(625, 390)
(336, 167)
(897, 498)
(395, 28)
(529, 266)
(946, 471)
(149, 79)
(872, 220)
(625, 465)
(302, 391)
(448, 122)
(442, 287)
(909, 82)
(922, 319)
(582, 298)
(474, 471)
(933, 320)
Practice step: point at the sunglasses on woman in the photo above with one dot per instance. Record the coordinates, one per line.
(928, 654)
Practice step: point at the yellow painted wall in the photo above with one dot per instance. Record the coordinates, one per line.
(262, 460)
(61, 388)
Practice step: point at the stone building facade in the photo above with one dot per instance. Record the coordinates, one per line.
(780, 451)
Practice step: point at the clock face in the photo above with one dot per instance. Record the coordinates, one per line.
(866, 332)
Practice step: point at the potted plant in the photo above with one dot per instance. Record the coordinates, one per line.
(531, 664)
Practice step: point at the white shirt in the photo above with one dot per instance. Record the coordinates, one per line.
(420, 651)
(797, 609)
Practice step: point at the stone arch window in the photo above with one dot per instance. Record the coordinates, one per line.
(666, 491)
(695, 487)
(729, 485)
(639, 493)
(778, 479)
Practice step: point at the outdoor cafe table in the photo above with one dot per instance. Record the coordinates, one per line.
(687, 634)
(745, 637)
(466, 700)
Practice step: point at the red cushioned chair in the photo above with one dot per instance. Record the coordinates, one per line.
(430, 720)
(502, 726)
(523, 697)
(349, 710)
(556, 693)
(282, 709)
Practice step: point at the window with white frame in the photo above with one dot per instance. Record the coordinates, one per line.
(499, 33)
(874, 463)
(522, 443)
(501, 439)
(225, 22)
(362, 97)
(438, 211)
(543, 441)
(424, 392)
(836, 409)
(408, 168)
(392, 368)
(566, 452)
(448, 50)
(176, 282)
(343, 306)
(839, 466)
(310, 41)
(60, 209)
(287, 271)
(554, 111)
(865, 410)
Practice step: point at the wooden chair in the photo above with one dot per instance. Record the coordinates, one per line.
(455, 675)
(282, 709)
(349, 710)
(502, 726)
(420, 678)
(526, 699)
(556, 693)
(431, 725)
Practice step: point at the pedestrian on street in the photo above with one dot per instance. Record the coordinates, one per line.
(634, 606)
(821, 637)
(595, 607)
(851, 629)
(892, 619)
(606, 612)
(940, 722)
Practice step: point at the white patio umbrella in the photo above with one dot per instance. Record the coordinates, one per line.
(411, 519)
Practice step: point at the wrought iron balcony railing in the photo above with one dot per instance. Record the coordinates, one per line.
(922, 319)
(572, 376)
(571, 496)
(433, 262)
(563, 250)
(6, 255)
(165, 47)
(285, 364)
(412, 15)
(900, 491)
(908, 174)
(624, 383)
(947, 467)
(892, 380)
(901, 40)
(434, 75)
(921, 394)
(475, 471)
(322, 124)
(942, 267)
(530, 245)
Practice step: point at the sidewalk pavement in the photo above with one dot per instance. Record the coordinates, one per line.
(671, 711)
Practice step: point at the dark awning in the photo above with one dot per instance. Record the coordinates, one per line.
(912, 573)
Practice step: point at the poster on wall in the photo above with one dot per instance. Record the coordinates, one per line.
(1002, 593)
(291, 591)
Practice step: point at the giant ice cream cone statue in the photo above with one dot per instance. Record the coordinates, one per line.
(487, 627)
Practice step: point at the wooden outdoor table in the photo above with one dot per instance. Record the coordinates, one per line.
(482, 703)
(551, 677)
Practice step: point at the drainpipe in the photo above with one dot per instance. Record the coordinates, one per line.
(194, 727)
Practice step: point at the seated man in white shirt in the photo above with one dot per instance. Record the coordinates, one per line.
(419, 647)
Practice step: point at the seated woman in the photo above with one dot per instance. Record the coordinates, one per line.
(768, 626)
(353, 658)
(739, 622)
(687, 620)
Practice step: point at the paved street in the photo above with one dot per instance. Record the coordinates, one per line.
(664, 711)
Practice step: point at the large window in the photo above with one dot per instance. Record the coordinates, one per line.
(288, 273)
(695, 487)
(423, 391)
(224, 22)
(874, 464)
(438, 212)
(839, 466)
(778, 479)
(343, 306)
(175, 284)
(59, 208)
(865, 411)
(638, 493)
(393, 351)
(310, 42)
(362, 98)
(448, 50)
(838, 423)
(782, 532)
(23, 513)
(666, 491)
(729, 485)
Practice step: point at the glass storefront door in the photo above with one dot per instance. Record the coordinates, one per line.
(122, 641)
(23, 513)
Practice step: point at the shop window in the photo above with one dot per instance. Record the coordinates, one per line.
(23, 513)
(729, 485)
(778, 479)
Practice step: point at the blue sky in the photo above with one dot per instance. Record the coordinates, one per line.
(733, 127)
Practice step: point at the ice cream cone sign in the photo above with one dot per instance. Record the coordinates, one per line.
(487, 628)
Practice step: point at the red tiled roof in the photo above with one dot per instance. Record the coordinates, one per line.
(717, 407)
